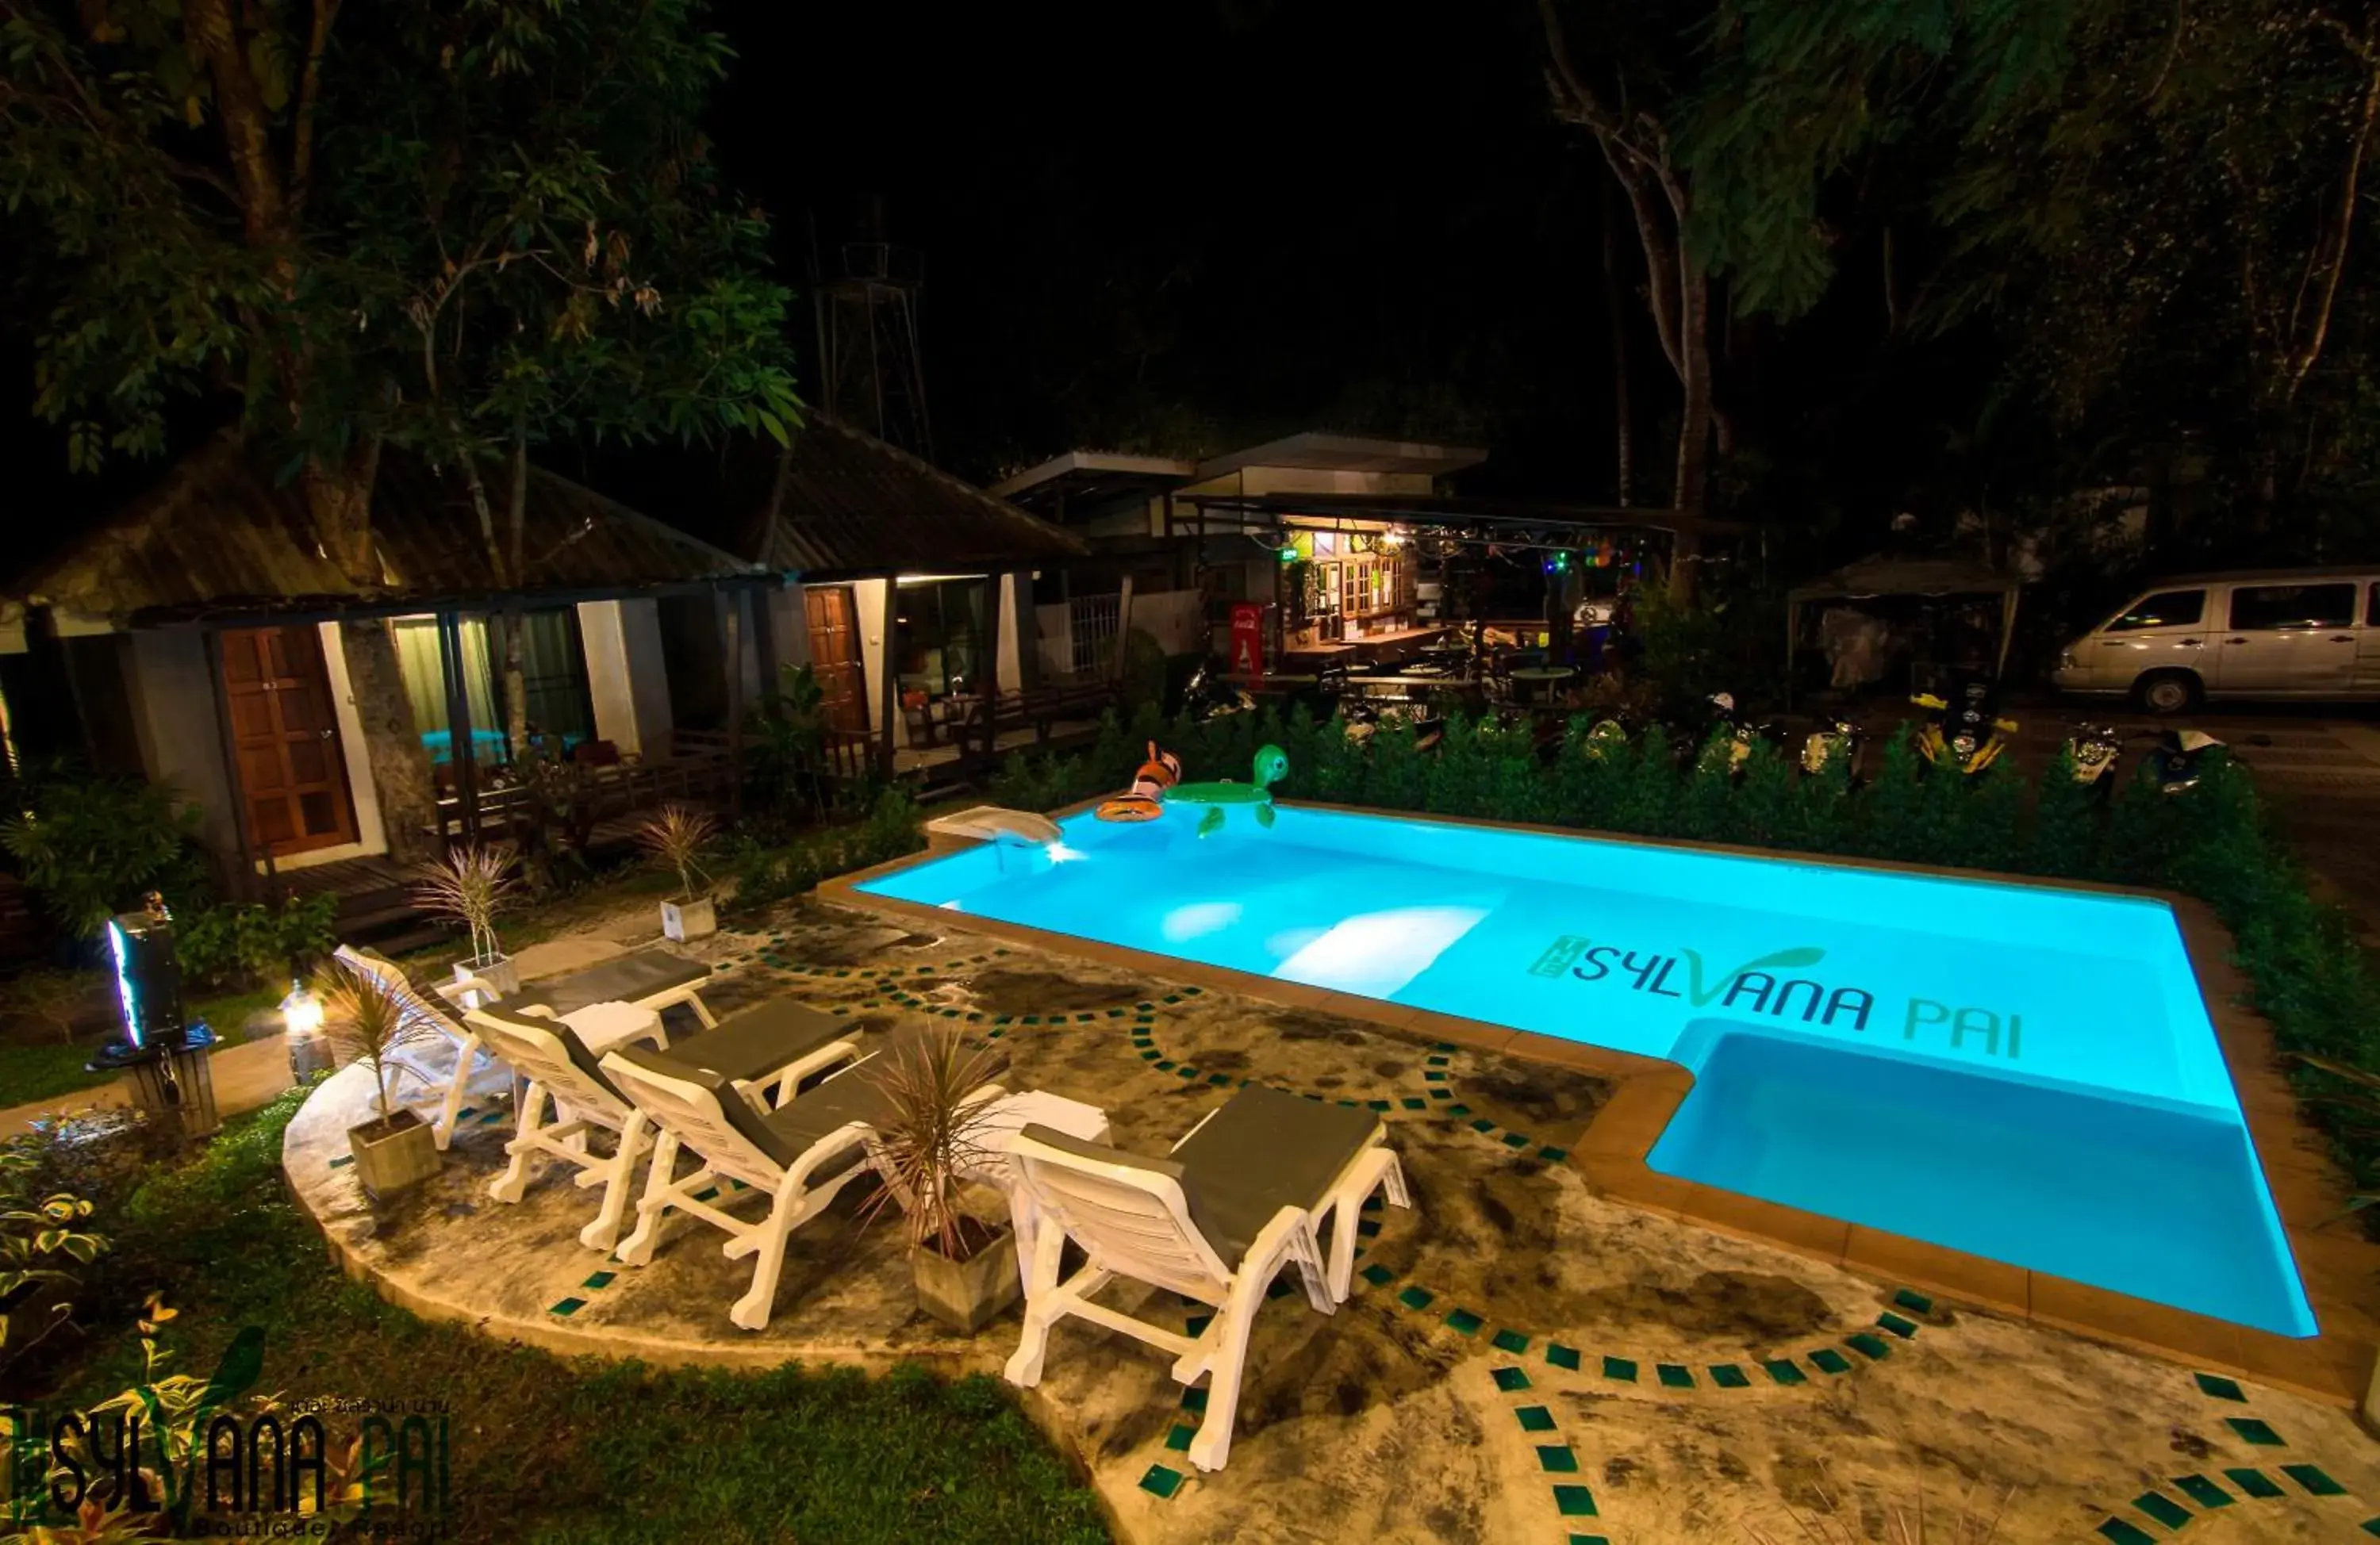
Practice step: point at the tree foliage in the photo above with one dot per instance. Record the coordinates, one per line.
(452, 224)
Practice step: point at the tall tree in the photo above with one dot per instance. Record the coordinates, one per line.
(1623, 100)
(460, 225)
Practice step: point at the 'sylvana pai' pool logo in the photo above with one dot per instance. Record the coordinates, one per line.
(1766, 984)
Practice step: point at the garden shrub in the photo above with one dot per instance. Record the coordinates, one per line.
(228, 945)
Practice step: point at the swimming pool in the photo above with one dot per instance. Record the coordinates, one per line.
(2018, 1071)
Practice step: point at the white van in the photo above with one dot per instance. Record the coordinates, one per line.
(2276, 633)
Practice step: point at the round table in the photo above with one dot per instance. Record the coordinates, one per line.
(1527, 680)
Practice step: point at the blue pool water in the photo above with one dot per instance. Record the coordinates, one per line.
(2022, 1072)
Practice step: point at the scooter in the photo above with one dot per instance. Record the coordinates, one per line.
(1207, 695)
(2179, 760)
(2095, 748)
(1832, 744)
(1741, 732)
(1964, 731)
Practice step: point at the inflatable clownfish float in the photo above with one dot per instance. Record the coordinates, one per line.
(1145, 801)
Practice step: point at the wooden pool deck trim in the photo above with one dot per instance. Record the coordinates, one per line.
(2339, 1268)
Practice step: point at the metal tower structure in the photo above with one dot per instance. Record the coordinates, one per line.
(872, 373)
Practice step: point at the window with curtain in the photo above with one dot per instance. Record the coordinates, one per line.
(423, 663)
(553, 679)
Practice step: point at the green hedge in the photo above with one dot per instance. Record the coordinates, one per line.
(2311, 978)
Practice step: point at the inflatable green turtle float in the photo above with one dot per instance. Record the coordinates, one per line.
(1270, 768)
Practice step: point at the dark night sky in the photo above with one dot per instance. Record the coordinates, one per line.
(1270, 217)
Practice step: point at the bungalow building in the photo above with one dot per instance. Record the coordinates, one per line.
(906, 590)
(200, 636)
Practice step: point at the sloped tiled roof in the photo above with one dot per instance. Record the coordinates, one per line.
(218, 534)
(853, 504)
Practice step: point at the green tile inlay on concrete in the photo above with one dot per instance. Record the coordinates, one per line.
(2315, 1482)
(1868, 1345)
(1675, 1376)
(1161, 1481)
(1510, 1341)
(1178, 1438)
(1727, 1376)
(2203, 1491)
(1463, 1320)
(1535, 1418)
(2219, 1387)
(1483, 1125)
(1574, 1501)
(2257, 1483)
(1553, 1155)
(1416, 1298)
(1377, 1276)
(1512, 1381)
(568, 1307)
(1194, 1399)
(1827, 1360)
(2126, 1534)
(600, 1279)
(1913, 1301)
(1514, 1140)
(2253, 1432)
(1784, 1372)
(1196, 1324)
(342, 1161)
(1589, 1540)
(2162, 1508)
(1620, 1367)
(1557, 1459)
(1904, 1329)
(2371, 1526)
(1562, 1357)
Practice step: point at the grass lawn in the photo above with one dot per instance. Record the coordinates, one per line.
(549, 1452)
(46, 1068)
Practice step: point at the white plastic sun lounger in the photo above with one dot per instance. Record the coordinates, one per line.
(452, 1065)
(774, 1046)
(796, 1156)
(1239, 1198)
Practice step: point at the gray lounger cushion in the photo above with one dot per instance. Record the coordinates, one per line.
(1262, 1152)
(631, 978)
(760, 1040)
(787, 1133)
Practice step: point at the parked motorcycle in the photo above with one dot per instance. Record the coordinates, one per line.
(2095, 749)
(1834, 744)
(2179, 760)
(1207, 696)
(1963, 732)
(1740, 730)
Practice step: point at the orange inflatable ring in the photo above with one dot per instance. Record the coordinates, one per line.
(1130, 808)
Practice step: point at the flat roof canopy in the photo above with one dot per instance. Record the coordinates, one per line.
(1092, 480)
(1513, 516)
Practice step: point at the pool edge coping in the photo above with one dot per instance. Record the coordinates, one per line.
(2336, 1270)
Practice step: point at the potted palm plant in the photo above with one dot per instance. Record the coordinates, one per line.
(933, 1135)
(469, 889)
(366, 1022)
(677, 837)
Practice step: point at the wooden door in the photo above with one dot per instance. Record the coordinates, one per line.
(293, 772)
(834, 655)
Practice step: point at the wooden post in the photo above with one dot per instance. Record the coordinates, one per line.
(764, 640)
(1123, 626)
(458, 728)
(729, 607)
(227, 743)
(888, 694)
(990, 696)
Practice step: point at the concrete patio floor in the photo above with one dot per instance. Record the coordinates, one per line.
(1524, 1357)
